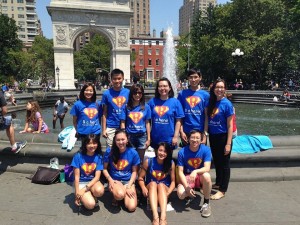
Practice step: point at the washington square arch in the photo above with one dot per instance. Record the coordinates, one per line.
(70, 18)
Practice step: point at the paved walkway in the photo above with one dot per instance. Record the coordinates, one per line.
(245, 203)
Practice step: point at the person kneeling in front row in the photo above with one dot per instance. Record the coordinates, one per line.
(194, 161)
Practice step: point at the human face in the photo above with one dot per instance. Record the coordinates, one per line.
(137, 95)
(117, 81)
(195, 140)
(88, 93)
(91, 147)
(29, 106)
(220, 90)
(121, 141)
(163, 88)
(161, 153)
(194, 80)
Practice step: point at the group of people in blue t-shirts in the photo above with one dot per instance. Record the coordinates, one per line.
(130, 126)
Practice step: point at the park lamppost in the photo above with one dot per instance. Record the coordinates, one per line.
(237, 54)
(57, 73)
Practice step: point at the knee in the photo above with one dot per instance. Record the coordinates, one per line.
(181, 192)
(152, 185)
(131, 207)
(206, 178)
(98, 192)
(119, 195)
(90, 204)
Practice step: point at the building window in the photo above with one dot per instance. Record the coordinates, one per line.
(157, 42)
(141, 42)
(141, 51)
(149, 62)
(149, 51)
(20, 1)
(150, 43)
(133, 42)
(141, 63)
(157, 74)
(150, 75)
(157, 51)
(20, 8)
(4, 8)
(12, 8)
(4, 1)
(133, 50)
(21, 16)
(157, 62)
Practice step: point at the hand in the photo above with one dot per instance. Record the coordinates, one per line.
(190, 192)
(193, 176)
(227, 149)
(129, 192)
(104, 134)
(175, 141)
(111, 184)
(184, 137)
(36, 132)
(77, 200)
(145, 191)
(147, 144)
(22, 131)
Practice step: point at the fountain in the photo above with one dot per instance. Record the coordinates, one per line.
(170, 63)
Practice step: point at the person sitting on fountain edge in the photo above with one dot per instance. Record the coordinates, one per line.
(5, 124)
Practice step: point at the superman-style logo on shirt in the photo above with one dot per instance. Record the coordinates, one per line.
(158, 175)
(194, 162)
(121, 164)
(88, 168)
(136, 116)
(214, 112)
(119, 101)
(161, 110)
(193, 100)
(90, 112)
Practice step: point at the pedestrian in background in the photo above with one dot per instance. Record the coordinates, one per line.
(60, 109)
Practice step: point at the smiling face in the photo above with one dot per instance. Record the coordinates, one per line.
(121, 141)
(117, 80)
(161, 153)
(163, 89)
(195, 140)
(88, 93)
(91, 147)
(137, 95)
(219, 90)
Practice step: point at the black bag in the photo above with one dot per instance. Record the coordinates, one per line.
(45, 175)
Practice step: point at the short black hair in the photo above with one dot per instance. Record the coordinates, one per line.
(116, 72)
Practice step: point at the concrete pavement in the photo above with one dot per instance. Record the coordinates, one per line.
(261, 203)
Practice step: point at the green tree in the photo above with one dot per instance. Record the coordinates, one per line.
(8, 42)
(95, 54)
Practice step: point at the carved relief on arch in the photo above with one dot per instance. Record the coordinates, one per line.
(61, 34)
(123, 38)
(111, 33)
(73, 30)
(122, 2)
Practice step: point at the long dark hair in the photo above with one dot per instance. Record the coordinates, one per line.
(81, 95)
(115, 151)
(167, 164)
(213, 97)
(95, 139)
(171, 92)
(135, 88)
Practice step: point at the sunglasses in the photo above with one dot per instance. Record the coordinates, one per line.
(137, 92)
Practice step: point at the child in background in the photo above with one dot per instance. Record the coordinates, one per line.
(88, 164)
(34, 116)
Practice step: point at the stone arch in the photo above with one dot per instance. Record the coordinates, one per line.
(111, 18)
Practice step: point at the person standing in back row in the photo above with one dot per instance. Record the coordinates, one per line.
(60, 109)
(194, 102)
(114, 101)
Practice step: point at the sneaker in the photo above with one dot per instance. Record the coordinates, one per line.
(205, 210)
(20, 145)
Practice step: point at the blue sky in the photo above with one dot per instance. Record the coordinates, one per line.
(163, 13)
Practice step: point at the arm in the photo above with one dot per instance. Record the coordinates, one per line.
(176, 133)
(78, 192)
(104, 116)
(129, 192)
(75, 122)
(200, 171)
(172, 185)
(108, 177)
(122, 124)
(148, 132)
(25, 128)
(204, 139)
(40, 126)
(141, 178)
(229, 135)
(184, 182)
(183, 135)
(4, 110)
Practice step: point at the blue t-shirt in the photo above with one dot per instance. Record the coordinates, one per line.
(123, 169)
(193, 104)
(163, 118)
(136, 118)
(155, 173)
(193, 160)
(88, 165)
(115, 102)
(88, 115)
(217, 123)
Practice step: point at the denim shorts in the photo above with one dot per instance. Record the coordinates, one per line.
(5, 123)
(138, 140)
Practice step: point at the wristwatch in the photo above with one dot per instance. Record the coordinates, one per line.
(206, 133)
